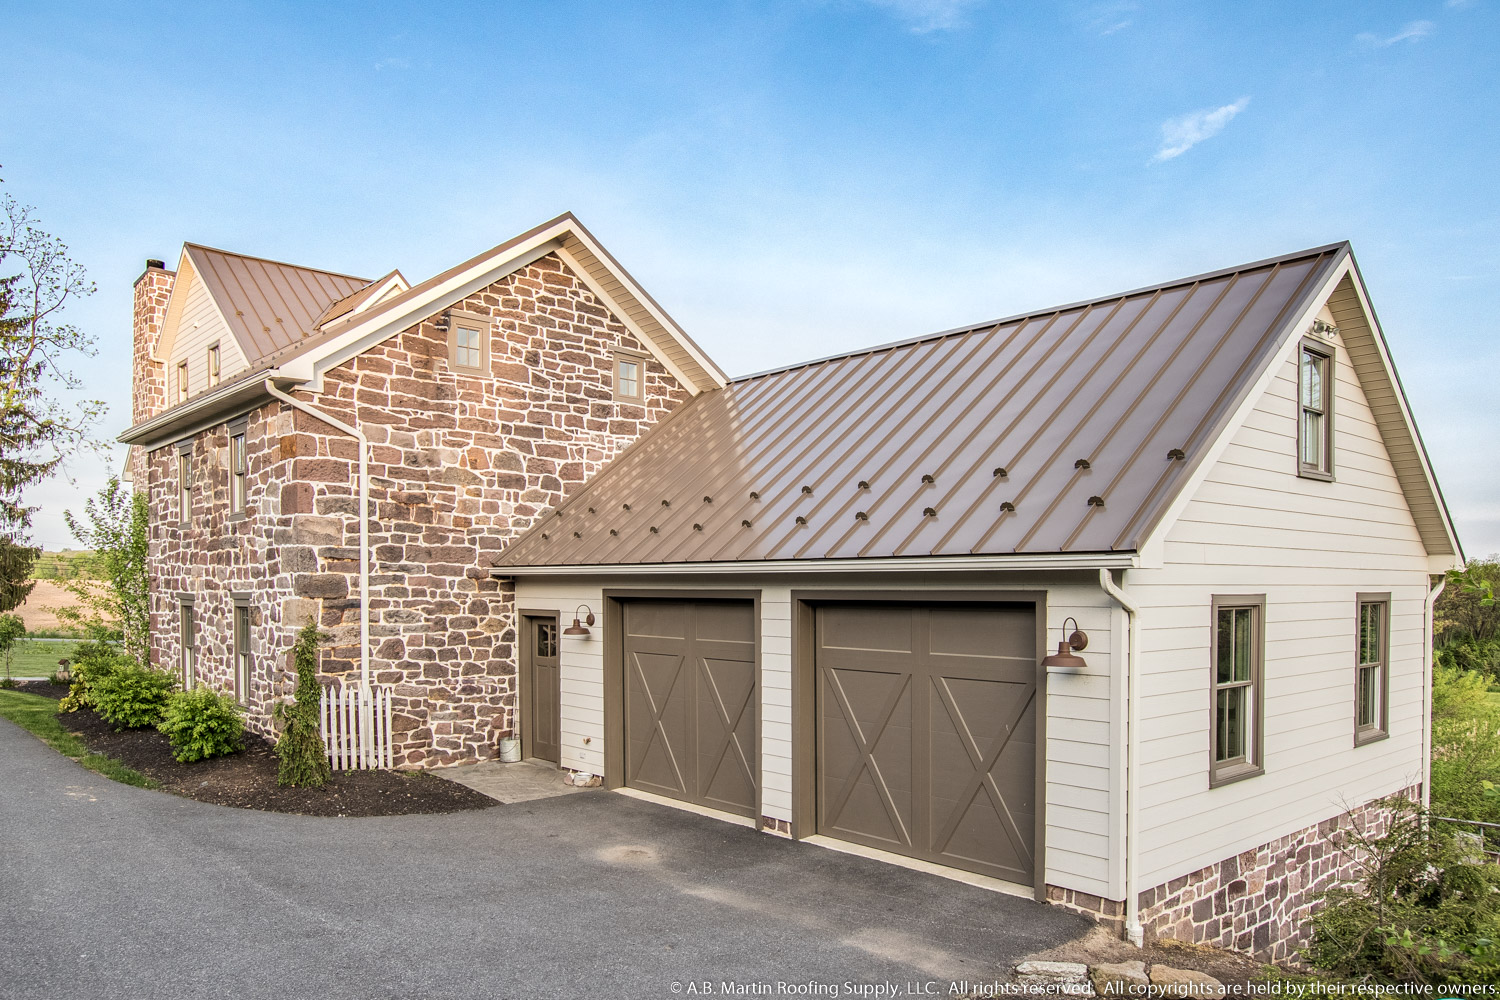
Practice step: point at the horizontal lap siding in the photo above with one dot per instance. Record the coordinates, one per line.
(581, 666)
(200, 326)
(1254, 527)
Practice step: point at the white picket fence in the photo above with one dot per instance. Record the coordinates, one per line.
(356, 726)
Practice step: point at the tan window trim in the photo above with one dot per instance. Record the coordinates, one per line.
(184, 483)
(182, 381)
(1252, 763)
(624, 356)
(1322, 471)
(213, 364)
(242, 650)
(484, 325)
(187, 637)
(239, 478)
(1380, 728)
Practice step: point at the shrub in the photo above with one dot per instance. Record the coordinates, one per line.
(202, 723)
(132, 697)
(1422, 913)
(1465, 746)
(304, 762)
(92, 663)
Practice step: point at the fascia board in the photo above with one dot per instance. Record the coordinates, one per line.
(1153, 549)
(364, 335)
(396, 283)
(647, 303)
(922, 564)
(198, 414)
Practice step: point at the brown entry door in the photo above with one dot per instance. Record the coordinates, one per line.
(690, 703)
(544, 691)
(927, 732)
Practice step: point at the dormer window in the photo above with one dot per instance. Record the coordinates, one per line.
(630, 378)
(468, 342)
(213, 365)
(1315, 411)
(182, 382)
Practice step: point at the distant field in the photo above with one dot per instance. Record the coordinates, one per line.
(46, 595)
(37, 657)
(69, 565)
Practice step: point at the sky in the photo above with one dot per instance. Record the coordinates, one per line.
(789, 179)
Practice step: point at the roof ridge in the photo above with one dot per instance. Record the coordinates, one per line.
(1034, 313)
(278, 263)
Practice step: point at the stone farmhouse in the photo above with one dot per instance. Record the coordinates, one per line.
(1124, 604)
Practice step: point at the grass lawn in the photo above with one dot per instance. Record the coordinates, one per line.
(1494, 697)
(36, 658)
(38, 715)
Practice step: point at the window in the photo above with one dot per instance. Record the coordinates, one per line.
(184, 484)
(182, 381)
(1238, 646)
(468, 341)
(238, 469)
(1371, 685)
(1315, 413)
(630, 371)
(242, 648)
(213, 365)
(188, 638)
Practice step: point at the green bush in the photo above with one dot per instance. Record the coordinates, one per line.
(304, 762)
(1465, 746)
(202, 723)
(1420, 913)
(133, 697)
(92, 663)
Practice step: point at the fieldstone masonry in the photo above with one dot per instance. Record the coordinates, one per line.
(460, 464)
(1259, 902)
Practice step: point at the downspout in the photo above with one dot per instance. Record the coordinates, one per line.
(364, 524)
(1428, 641)
(1133, 930)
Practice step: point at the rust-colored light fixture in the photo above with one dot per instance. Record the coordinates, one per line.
(1064, 657)
(582, 617)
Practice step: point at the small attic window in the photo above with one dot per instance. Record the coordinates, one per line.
(468, 342)
(213, 364)
(1315, 411)
(182, 381)
(630, 377)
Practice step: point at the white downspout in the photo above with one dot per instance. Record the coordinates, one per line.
(364, 530)
(1428, 641)
(1133, 930)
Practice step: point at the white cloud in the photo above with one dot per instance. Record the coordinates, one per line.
(1108, 18)
(1178, 135)
(1414, 31)
(1458, 4)
(923, 16)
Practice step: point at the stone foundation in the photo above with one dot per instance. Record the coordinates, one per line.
(1258, 902)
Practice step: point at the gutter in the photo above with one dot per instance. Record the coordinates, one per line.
(920, 564)
(1133, 930)
(364, 524)
(1428, 643)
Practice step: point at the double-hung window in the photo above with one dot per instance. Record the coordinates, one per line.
(238, 468)
(242, 661)
(1371, 680)
(1315, 411)
(185, 484)
(213, 364)
(1238, 660)
(188, 637)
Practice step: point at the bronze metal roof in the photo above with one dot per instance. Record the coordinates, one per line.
(269, 305)
(1069, 430)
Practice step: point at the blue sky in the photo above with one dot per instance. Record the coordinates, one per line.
(791, 179)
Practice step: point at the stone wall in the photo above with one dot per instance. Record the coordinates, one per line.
(460, 463)
(148, 395)
(1259, 902)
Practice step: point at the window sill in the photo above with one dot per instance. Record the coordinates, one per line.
(237, 516)
(1370, 736)
(1322, 477)
(1231, 773)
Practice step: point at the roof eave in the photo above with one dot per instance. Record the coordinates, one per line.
(195, 415)
(898, 564)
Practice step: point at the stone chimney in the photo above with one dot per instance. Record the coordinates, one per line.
(148, 394)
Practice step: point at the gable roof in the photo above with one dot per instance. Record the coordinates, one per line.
(1070, 430)
(268, 305)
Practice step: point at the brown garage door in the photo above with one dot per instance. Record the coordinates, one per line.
(690, 705)
(927, 732)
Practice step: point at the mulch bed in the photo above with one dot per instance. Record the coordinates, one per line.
(247, 779)
(44, 688)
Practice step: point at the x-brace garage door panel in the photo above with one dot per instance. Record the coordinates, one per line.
(927, 732)
(690, 705)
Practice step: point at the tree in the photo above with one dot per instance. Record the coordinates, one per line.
(37, 281)
(115, 529)
(304, 761)
(11, 629)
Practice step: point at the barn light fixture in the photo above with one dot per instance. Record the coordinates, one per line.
(580, 621)
(1064, 656)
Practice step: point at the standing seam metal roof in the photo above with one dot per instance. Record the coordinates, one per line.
(1068, 430)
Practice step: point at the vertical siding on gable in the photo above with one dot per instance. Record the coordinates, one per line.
(200, 326)
(1255, 527)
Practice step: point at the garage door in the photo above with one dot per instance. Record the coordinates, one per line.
(690, 705)
(927, 732)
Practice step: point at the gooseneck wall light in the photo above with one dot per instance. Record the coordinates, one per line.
(582, 618)
(1064, 657)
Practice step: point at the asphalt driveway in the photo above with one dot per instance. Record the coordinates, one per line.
(113, 891)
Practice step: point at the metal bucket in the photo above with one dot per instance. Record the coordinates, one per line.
(510, 749)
